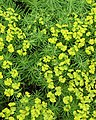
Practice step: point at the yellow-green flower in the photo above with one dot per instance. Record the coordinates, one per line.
(19, 95)
(22, 52)
(37, 101)
(26, 44)
(62, 79)
(9, 92)
(6, 64)
(11, 118)
(1, 44)
(2, 28)
(52, 40)
(16, 85)
(51, 85)
(11, 104)
(1, 57)
(45, 67)
(67, 108)
(14, 73)
(8, 81)
(67, 99)
(91, 41)
(89, 1)
(91, 118)
(89, 49)
(51, 96)
(58, 91)
(46, 59)
(2, 114)
(27, 94)
(61, 56)
(9, 37)
(94, 113)
(1, 76)
(92, 68)
(10, 48)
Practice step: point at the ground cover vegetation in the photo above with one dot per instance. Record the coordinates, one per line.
(47, 60)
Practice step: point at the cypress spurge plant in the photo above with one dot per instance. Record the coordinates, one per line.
(66, 71)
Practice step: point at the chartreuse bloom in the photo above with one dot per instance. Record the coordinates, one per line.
(94, 113)
(41, 21)
(9, 37)
(80, 43)
(91, 118)
(62, 79)
(72, 51)
(19, 95)
(92, 68)
(67, 35)
(37, 101)
(8, 81)
(48, 74)
(67, 108)
(10, 48)
(61, 46)
(54, 31)
(50, 84)
(70, 75)
(24, 100)
(27, 94)
(44, 31)
(52, 40)
(61, 56)
(16, 86)
(89, 50)
(1, 44)
(14, 73)
(20, 117)
(67, 99)
(11, 104)
(57, 71)
(40, 109)
(2, 28)
(58, 25)
(5, 113)
(45, 67)
(11, 118)
(91, 41)
(6, 64)
(9, 92)
(84, 107)
(23, 112)
(22, 52)
(48, 115)
(1, 57)
(35, 112)
(46, 59)
(51, 96)
(26, 44)
(1, 76)
(89, 1)
(58, 91)
(80, 114)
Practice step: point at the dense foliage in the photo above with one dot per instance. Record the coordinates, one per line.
(47, 64)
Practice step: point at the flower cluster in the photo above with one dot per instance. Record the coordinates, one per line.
(11, 38)
(60, 70)
(67, 73)
(40, 109)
